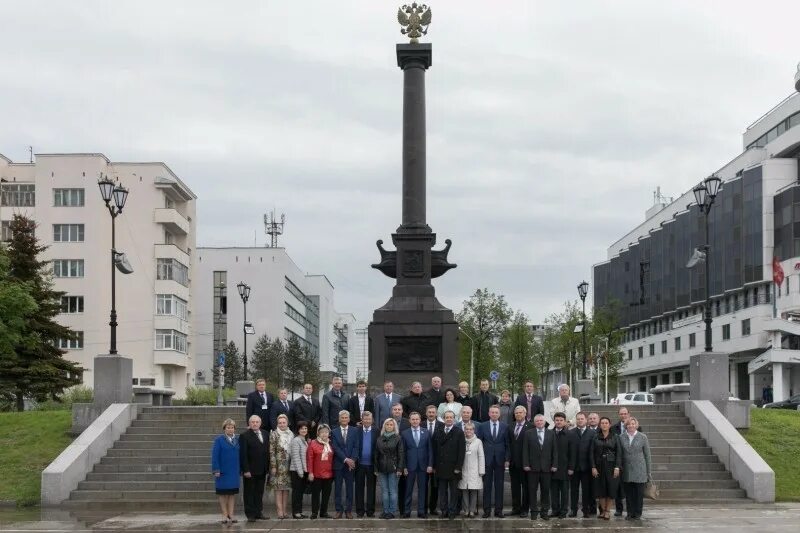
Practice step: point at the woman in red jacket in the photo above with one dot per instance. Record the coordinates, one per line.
(320, 471)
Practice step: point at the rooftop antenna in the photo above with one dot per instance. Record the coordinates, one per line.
(273, 228)
(30, 150)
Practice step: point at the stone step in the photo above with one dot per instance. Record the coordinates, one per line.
(670, 475)
(697, 484)
(196, 410)
(145, 467)
(683, 458)
(677, 443)
(155, 459)
(662, 451)
(165, 445)
(142, 476)
(149, 495)
(712, 465)
(702, 493)
(148, 486)
(164, 437)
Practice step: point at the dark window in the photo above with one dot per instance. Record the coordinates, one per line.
(678, 377)
(630, 355)
(745, 327)
(726, 332)
(641, 352)
(677, 344)
(692, 340)
(652, 349)
(663, 346)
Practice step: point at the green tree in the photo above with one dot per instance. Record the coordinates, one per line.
(606, 338)
(516, 350)
(484, 318)
(233, 366)
(37, 367)
(561, 346)
(268, 361)
(301, 366)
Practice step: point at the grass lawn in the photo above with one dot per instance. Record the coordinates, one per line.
(775, 435)
(29, 441)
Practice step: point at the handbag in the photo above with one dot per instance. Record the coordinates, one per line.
(651, 491)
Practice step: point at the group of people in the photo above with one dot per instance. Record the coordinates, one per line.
(444, 445)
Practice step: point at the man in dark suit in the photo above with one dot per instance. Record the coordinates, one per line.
(258, 403)
(449, 448)
(497, 455)
(582, 477)
(345, 443)
(413, 402)
(565, 445)
(432, 424)
(365, 469)
(333, 401)
(397, 413)
(419, 463)
(434, 395)
(533, 404)
(619, 429)
(519, 478)
(281, 406)
(539, 460)
(383, 404)
(254, 463)
(482, 401)
(360, 402)
(307, 409)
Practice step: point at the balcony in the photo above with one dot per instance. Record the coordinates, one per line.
(170, 357)
(166, 251)
(172, 220)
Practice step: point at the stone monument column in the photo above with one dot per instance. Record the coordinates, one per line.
(413, 336)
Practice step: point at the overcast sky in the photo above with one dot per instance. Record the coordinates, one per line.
(549, 123)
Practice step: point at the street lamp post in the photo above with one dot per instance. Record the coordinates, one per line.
(244, 292)
(705, 194)
(583, 289)
(471, 360)
(109, 190)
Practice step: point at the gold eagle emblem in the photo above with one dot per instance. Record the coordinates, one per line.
(415, 19)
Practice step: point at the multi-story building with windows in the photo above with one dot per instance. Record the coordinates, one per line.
(660, 302)
(284, 302)
(156, 230)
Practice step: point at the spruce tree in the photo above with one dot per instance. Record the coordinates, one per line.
(38, 369)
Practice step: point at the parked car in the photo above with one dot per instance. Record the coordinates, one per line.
(792, 403)
(633, 398)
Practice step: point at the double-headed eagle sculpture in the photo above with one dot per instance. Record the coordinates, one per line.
(415, 19)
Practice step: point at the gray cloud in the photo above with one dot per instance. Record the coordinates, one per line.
(549, 124)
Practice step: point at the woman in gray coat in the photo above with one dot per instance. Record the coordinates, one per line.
(636, 467)
(298, 468)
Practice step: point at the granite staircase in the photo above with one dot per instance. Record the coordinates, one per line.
(684, 466)
(163, 460)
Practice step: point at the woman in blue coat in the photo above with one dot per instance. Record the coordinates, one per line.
(225, 467)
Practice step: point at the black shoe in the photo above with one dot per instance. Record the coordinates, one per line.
(562, 516)
(313, 517)
(326, 515)
(618, 513)
(486, 514)
(523, 514)
(251, 519)
(262, 517)
(572, 515)
(370, 515)
(423, 515)
(534, 516)
(545, 517)
(499, 514)
(406, 515)
(443, 516)
(359, 515)
(434, 512)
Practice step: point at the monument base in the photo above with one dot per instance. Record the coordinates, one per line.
(709, 374)
(413, 351)
(113, 383)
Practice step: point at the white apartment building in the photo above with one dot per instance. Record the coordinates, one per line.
(660, 301)
(156, 231)
(284, 302)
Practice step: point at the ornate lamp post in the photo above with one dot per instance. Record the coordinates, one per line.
(244, 292)
(704, 194)
(583, 290)
(109, 190)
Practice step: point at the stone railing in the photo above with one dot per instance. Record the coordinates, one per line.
(152, 396)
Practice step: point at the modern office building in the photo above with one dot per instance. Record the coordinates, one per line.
(660, 301)
(156, 231)
(284, 302)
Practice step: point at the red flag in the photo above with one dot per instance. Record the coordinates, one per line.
(777, 271)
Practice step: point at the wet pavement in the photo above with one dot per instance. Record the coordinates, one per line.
(746, 517)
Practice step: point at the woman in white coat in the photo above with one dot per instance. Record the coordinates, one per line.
(472, 472)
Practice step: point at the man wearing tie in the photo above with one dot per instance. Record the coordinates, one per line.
(582, 478)
(539, 460)
(281, 406)
(307, 409)
(419, 463)
(254, 463)
(497, 453)
(365, 469)
(432, 425)
(359, 403)
(565, 450)
(533, 404)
(519, 478)
(258, 403)
(384, 403)
(345, 449)
(332, 402)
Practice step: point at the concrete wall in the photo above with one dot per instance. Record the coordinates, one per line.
(72, 465)
(745, 465)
